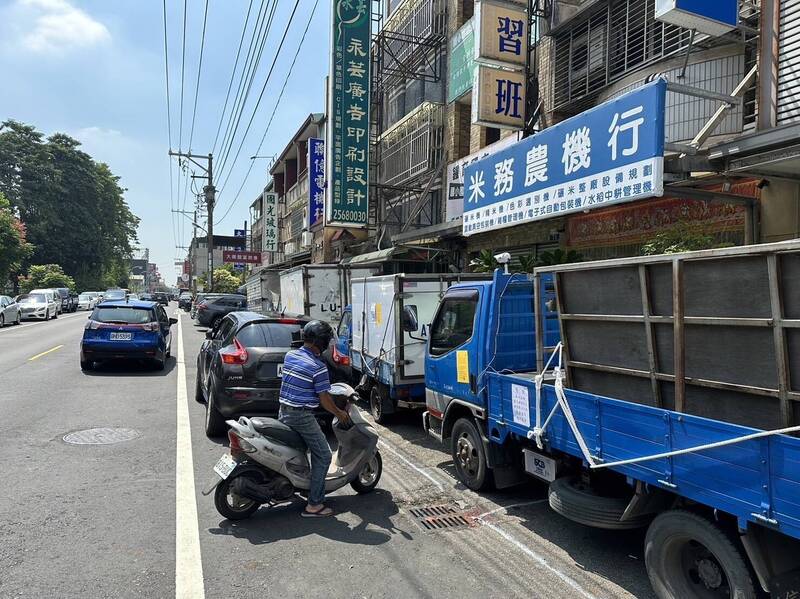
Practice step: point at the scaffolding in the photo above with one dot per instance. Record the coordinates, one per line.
(407, 46)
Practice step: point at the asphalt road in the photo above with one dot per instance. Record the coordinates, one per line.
(118, 520)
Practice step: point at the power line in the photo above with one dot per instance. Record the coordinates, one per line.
(199, 70)
(233, 75)
(274, 111)
(183, 68)
(261, 95)
(169, 126)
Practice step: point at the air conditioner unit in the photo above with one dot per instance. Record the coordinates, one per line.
(307, 238)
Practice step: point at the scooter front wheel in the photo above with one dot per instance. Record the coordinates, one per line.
(369, 476)
(232, 506)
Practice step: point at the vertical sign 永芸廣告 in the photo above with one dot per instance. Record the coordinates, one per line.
(270, 216)
(610, 154)
(348, 115)
(316, 181)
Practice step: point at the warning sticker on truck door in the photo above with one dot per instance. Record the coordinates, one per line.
(462, 366)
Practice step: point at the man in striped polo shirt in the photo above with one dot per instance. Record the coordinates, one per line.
(304, 387)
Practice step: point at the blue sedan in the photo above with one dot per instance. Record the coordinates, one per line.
(128, 330)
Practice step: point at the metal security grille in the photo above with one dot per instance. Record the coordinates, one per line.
(439, 517)
(621, 36)
(788, 104)
(413, 146)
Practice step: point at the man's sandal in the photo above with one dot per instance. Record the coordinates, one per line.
(321, 513)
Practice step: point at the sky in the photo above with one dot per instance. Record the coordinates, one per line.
(95, 69)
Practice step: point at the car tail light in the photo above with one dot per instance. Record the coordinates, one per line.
(201, 307)
(92, 325)
(150, 326)
(340, 358)
(234, 354)
(289, 321)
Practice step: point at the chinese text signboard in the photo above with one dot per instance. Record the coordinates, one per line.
(316, 181)
(498, 98)
(241, 256)
(348, 115)
(270, 215)
(714, 18)
(461, 68)
(610, 154)
(501, 33)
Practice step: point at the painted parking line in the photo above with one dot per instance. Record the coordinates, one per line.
(188, 561)
(44, 353)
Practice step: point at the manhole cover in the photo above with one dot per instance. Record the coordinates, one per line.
(438, 517)
(101, 436)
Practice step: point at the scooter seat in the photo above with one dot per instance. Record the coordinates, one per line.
(277, 430)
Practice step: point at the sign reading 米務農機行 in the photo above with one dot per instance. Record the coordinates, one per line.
(269, 214)
(498, 98)
(348, 115)
(610, 154)
(501, 32)
(316, 181)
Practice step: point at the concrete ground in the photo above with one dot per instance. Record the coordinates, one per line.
(127, 519)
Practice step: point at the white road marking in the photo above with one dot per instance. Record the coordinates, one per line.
(188, 562)
(503, 533)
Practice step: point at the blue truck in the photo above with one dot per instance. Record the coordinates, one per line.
(659, 392)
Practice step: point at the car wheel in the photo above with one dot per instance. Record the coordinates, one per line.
(215, 422)
(198, 389)
(160, 364)
(55, 314)
(2, 320)
(468, 455)
(19, 319)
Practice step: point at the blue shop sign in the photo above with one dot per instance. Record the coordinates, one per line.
(316, 181)
(610, 154)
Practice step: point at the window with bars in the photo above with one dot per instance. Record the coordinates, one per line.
(615, 40)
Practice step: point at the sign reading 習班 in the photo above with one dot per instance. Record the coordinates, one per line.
(501, 34)
(610, 154)
(348, 115)
(498, 98)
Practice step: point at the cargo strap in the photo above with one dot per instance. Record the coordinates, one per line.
(594, 462)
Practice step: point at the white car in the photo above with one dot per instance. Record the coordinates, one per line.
(36, 305)
(87, 301)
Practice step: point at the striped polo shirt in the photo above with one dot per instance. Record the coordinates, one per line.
(305, 376)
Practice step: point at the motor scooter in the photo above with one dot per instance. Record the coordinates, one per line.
(268, 462)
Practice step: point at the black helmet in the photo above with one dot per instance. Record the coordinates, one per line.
(318, 333)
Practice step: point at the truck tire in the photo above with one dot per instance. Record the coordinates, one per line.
(579, 502)
(380, 404)
(469, 456)
(689, 557)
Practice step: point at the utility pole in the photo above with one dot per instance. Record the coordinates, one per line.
(209, 192)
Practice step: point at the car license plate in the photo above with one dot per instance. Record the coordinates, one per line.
(539, 465)
(225, 466)
(121, 336)
(280, 371)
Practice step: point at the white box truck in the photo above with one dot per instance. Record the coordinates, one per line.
(319, 290)
(377, 332)
(263, 290)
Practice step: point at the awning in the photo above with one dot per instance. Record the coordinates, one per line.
(430, 234)
(773, 151)
(376, 257)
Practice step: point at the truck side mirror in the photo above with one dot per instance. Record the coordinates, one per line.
(410, 322)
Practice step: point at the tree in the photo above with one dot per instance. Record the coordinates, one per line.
(46, 276)
(683, 237)
(225, 281)
(484, 262)
(14, 248)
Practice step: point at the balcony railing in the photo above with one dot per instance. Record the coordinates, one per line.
(413, 146)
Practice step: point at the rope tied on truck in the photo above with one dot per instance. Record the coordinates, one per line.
(595, 463)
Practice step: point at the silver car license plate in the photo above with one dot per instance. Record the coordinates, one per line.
(121, 336)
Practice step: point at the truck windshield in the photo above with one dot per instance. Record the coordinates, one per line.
(454, 322)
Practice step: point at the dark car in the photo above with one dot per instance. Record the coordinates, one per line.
(185, 300)
(129, 330)
(211, 310)
(147, 297)
(161, 297)
(240, 364)
(69, 301)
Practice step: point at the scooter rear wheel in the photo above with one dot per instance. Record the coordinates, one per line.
(232, 506)
(369, 476)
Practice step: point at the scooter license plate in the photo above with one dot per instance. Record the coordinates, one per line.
(225, 466)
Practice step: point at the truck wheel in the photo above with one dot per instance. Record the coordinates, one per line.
(689, 557)
(579, 502)
(469, 456)
(378, 404)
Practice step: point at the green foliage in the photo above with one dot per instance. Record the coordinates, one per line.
(484, 262)
(684, 237)
(14, 248)
(46, 276)
(559, 256)
(226, 280)
(527, 263)
(73, 208)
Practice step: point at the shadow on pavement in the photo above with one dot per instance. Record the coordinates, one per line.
(284, 522)
(130, 368)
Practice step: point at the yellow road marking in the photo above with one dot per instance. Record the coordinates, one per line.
(44, 353)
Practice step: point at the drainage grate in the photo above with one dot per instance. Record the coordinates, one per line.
(438, 517)
(101, 436)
